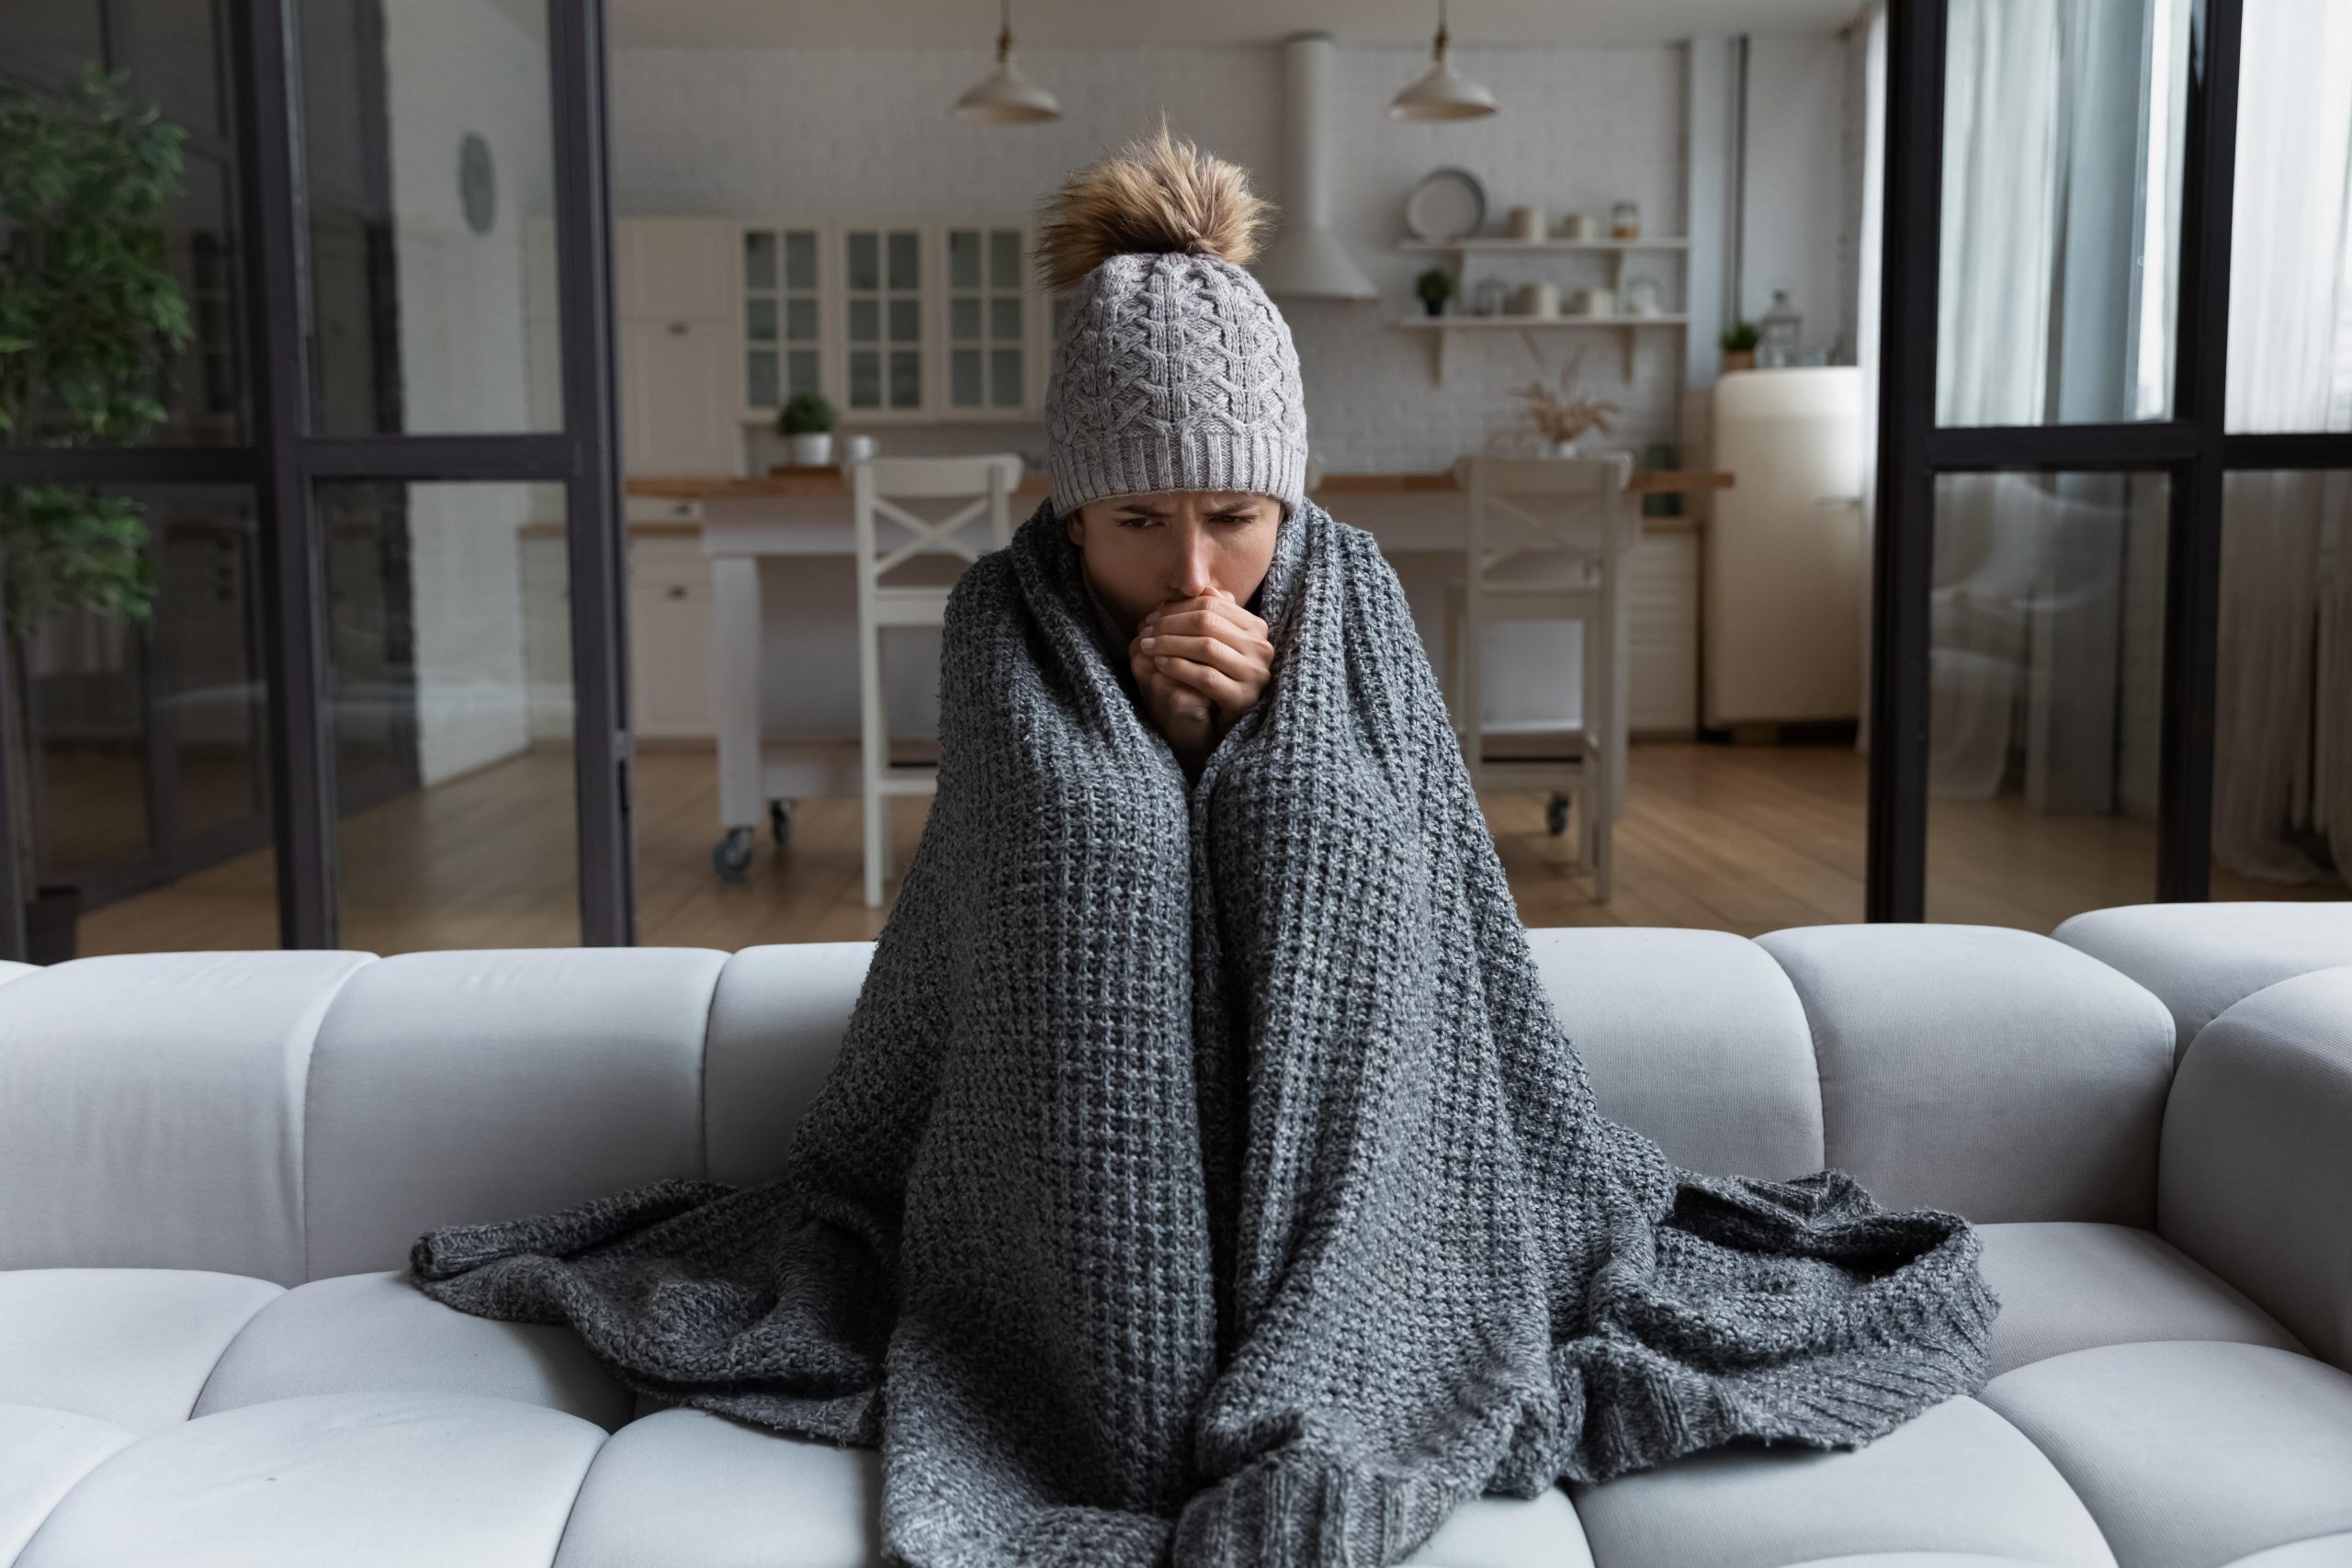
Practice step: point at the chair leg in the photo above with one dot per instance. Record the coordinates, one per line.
(872, 754)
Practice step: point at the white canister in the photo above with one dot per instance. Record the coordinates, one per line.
(857, 448)
(1536, 299)
(1526, 222)
(1593, 302)
(1578, 226)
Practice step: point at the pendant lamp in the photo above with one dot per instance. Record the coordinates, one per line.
(1441, 93)
(1005, 96)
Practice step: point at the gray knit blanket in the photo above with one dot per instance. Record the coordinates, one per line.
(1205, 1178)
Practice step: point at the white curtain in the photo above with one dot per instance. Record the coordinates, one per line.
(2282, 743)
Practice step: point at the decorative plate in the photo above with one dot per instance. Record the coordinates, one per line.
(1449, 204)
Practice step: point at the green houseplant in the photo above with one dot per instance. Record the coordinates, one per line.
(1739, 341)
(1435, 287)
(806, 420)
(91, 321)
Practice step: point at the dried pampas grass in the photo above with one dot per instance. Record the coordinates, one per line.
(1159, 194)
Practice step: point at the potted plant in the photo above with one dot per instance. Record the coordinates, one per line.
(91, 321)
(1435, 287)
(806, 421)
(1739, 341)
(1557, 416)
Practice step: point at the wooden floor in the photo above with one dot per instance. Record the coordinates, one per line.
(1745, 839)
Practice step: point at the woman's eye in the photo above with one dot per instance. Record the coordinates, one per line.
(1136, 522)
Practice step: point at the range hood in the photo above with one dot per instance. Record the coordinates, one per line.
(1306, 259)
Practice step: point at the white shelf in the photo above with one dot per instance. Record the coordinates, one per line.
(1504, 242)
(1443, 328)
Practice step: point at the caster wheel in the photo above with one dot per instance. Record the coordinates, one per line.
(731, 856)
(779, 823)
(1555, 816)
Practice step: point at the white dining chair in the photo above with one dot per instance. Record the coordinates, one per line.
(985, 485)
(1548, 539)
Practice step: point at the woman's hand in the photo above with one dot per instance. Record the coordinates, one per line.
(1201, 663)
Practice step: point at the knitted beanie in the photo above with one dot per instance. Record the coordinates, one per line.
(1174, 370)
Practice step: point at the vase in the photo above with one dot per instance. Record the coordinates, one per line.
(812, 450)
(1435, 306)
(1739, 359)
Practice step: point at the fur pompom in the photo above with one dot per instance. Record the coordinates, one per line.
(1156, 194)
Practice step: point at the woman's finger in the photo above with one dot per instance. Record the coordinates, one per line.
(1210, 683)
(1234, 661)
(1220, 618)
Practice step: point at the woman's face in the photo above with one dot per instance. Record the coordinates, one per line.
(1142, 551)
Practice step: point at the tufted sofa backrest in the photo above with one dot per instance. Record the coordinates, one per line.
(300, 1115)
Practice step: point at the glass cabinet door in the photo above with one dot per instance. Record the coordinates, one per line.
(986, 300)
(781, 312)
(882, 292)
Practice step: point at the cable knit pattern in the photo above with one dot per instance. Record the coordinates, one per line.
(1173, 372)
(1206, 1178)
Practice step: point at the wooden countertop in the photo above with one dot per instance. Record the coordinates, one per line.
(828, 482)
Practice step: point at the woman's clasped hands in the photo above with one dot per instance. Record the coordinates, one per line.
(1201, 663)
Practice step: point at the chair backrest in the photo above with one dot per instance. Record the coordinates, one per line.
(1573, 506)
(877, 485)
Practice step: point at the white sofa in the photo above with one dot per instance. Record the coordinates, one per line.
(212, 1167)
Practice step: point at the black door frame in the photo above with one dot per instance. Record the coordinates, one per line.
(2191, 447)
(287, 457)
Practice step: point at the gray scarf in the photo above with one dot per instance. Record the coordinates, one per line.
(1206, 1177)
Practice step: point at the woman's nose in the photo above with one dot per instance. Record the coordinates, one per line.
(1189, 575)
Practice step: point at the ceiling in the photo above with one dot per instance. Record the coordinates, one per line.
(718, 24)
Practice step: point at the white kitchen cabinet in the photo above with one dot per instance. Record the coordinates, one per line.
(1662, 682)
(681, 410)
(668, 638)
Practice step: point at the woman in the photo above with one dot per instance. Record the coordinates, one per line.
(1204, 1177)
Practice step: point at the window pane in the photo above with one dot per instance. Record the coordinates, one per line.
(1004, 378)
(864, 321)
(428, 152)
(172, 48)
(964, 319)
(759, 389)
(759, 320)
(759, 258)
(865, 261)
(2290, 264)
(1004, 318)
(800, 258)
(803, 376)
(864, 378)
(1004, 258)
(151, 794)
(800, 319)
(2282, 713)
(963, 258)
(49, 40)
(2045, 673)
(2061, 222)
(905, 379)
(906, 321)
(449, 653)
(964, 378)
(904, 272)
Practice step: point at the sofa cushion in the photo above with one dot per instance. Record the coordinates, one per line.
(42, 1453)
(379, 1333)
(746, 1497)
(1990, 1072)
(359, 1481)
(127, 1346)
(776, 1020)
(151, 1110)
(2257, 1160)
(451, 1088)
(1956, 1478)
(2200, 959)
(1695, 1039)
(2066, 1286)
(2191, 1453)
(750, 1498)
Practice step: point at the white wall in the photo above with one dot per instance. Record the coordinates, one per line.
(866, 133)
(455, 67)
(1797, 218)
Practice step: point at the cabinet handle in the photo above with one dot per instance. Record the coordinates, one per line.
(677, 591)
(677, 329)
